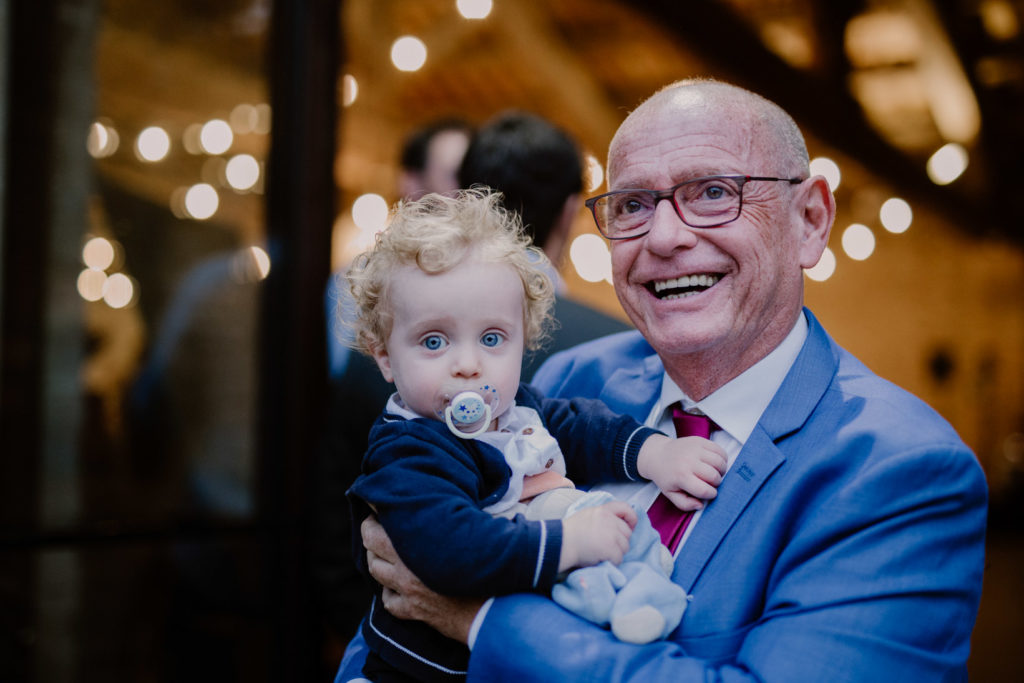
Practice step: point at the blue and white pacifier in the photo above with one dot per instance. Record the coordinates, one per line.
(468, 414)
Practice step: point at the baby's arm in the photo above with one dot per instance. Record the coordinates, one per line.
(596, 534)
(687, 470)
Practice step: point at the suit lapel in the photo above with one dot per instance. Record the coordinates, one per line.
(754, 465)
(761, 456)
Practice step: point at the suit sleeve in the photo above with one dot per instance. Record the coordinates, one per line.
(886, 589)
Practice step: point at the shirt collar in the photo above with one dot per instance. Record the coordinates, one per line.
(737, 405)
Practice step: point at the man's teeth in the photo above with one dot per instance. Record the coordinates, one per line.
(685, 283)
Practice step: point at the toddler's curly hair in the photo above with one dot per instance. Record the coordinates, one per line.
(435, 233)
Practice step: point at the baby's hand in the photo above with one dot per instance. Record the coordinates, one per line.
(687, 470)
(596, 534)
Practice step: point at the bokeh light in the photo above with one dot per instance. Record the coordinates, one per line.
(102, 140)
(858, 241)
(349, 90)
(118, 290)
(474, 9)
(201, 201)
(98, 253)
(826, 167)
(408, 53)
(152, 144)
(370, 212)
(947, 163)
(242, 171)
(590, 257)
(243, 119)
(594, 173)
(824, 268)
(216, 136)
(896, 215)
(90, 284)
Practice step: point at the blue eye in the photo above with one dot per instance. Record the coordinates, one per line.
(492, 339)
(433, 342)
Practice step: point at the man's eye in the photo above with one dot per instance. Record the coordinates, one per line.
(433, 342)
(629, 204)
(491, 339)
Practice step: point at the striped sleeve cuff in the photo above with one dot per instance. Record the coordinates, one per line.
(627, 445)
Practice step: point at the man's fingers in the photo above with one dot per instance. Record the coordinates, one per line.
(375, 539)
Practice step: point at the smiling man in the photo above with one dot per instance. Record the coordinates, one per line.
(847, 539)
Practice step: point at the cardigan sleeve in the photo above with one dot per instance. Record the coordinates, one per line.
(598, 444)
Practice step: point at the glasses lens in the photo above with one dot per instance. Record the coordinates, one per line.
(621, 213)
(709, 201)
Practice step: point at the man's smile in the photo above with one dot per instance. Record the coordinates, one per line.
(681, 287)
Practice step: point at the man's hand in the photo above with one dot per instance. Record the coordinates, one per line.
(687, 470)
(406, 597)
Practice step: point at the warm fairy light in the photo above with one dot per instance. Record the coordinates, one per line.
(590, 257)
(90, 284)
(947, 163)
(594, 173)
(152, 144)
(102, 140)
(263, 119)
(824, 268)
(242, 171)
(216, 136)
(828, 168)
(896, 215)
(118, 290)
(243, 119)
(474, 9)
(858, 241)
(408, 53)
(349, 90)
(370, 212)
(262, 260)
(201, 201)
(98, 253)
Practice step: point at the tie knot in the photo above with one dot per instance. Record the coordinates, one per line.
(690, 424)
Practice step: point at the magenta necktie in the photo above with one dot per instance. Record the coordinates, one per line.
(670, 521)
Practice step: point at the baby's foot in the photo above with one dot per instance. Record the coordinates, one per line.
(642, 625)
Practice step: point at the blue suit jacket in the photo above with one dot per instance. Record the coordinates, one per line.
(846, 542)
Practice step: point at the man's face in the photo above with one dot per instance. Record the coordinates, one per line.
(443, 158)
(731, 291)
(454, 331)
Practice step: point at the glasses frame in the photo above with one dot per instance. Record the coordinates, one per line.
(670, 194)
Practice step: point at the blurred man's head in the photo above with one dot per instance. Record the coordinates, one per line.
(538, 169)
(431, 156)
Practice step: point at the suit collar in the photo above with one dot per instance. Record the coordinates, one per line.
(624, 385)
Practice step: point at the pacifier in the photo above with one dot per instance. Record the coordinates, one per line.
(468, 413)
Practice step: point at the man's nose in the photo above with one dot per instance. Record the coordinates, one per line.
(668, 231)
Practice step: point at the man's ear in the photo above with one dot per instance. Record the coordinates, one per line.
(818, 212)
(380, 355)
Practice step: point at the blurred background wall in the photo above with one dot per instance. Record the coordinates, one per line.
(179, 178)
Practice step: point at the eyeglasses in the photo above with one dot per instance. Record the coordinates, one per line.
(707, 202)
